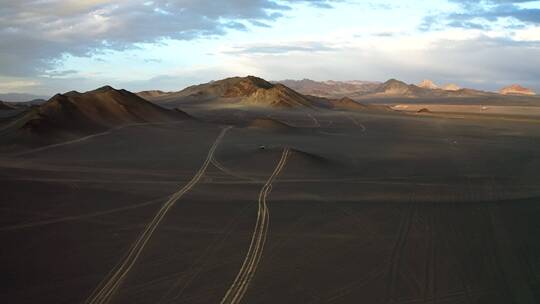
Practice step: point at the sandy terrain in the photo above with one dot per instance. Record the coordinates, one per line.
(276, 206)
(485, 110)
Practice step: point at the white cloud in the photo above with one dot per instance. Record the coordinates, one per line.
(528, 34)
(467, 58)
(36, 33)
(15, 85)
(43, 35)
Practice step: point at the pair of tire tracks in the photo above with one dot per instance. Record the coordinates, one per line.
(236, 292)
(105, 291)
(398, 250)
(202, 262)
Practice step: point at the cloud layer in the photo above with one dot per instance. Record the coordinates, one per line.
(37, 33)
(484, 14)
(58, 45)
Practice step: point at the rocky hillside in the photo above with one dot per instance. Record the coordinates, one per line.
(516, 89)
(250, 91)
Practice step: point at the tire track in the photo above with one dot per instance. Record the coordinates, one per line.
(202, 262)
(430, 278)
(78, 217)
(85, 138)
(236, 292)
(107, 288)
(315, 121)
(357, 123)
(397, 252)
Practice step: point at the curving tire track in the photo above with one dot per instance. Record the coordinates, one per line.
(105, 291)
(236, 292)
(316, 123)
(357, 123)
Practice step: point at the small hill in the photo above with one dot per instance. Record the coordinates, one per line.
(6, 106)
(395, 87)
(516, 89)
(428, 84)
(269, 124)
(152, 94)
(100, 109)
(347, 103)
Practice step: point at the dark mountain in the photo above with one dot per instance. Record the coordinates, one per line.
(100, 109)
(6, 106)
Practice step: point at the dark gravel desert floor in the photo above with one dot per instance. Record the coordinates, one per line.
(277, 207)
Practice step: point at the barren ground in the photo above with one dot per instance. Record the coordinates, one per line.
(370, 207)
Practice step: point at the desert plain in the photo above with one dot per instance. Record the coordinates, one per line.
(243, 191)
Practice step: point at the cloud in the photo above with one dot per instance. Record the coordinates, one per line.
(61, 73)
(280, 48)
(485, 15)
(474, 61)
(36, 34)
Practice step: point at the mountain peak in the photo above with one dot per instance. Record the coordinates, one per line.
(394, 81)
(428, 84)
(103, 89)
(244, 86)
(516, 89)
(451, 87)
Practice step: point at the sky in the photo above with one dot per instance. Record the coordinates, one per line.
(50, 46)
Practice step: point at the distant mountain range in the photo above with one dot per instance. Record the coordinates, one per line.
(257, 92)
(73, 113)
(391, 88)
(330, 89)
(22, 97)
